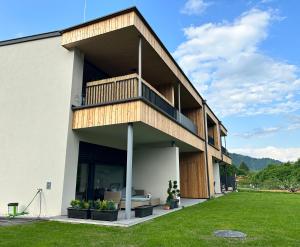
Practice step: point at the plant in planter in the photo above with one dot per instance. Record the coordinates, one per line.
(173, 194)
(104, 210)
(79, 209)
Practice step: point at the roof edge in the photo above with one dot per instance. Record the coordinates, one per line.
(30, 38)
(102, 18)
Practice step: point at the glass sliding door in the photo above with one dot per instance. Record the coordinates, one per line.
(100, 169)
(82, 181)
(108, 178)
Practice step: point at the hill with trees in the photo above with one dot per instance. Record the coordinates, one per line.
(284, 176)
(254, 164)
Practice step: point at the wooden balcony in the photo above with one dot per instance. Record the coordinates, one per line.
(126, 88)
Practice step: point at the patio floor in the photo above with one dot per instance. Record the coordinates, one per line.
(122, 222)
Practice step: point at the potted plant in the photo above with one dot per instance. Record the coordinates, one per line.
(173, 194)
(104, 210)
(79, 209)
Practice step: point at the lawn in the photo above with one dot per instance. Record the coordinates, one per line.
(269, 219)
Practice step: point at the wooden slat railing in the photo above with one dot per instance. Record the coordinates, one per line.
(111, 89)
(114, 89)
(126, 87)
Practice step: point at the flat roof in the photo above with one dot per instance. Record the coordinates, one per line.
(30, 38)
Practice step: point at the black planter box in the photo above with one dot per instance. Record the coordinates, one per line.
(143, 211)
(176, 202)
(79, 213)
(107, 215)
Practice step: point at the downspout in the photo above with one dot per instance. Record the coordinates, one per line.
(206, 155)
(220, 136)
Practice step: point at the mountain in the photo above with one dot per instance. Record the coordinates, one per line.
(253, 163)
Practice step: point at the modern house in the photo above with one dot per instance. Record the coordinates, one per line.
(101, 106)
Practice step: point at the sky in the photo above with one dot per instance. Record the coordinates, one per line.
(243, 56)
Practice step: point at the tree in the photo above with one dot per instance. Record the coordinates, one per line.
(244, 167)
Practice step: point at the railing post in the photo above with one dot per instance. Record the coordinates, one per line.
(140, 68)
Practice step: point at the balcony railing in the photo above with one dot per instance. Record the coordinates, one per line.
(125, 88)
(224, 151)
(211, 140)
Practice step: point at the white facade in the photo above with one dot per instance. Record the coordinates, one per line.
(217, 180)
(36, 138)
(153, 168)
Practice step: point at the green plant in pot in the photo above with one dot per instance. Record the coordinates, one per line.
(79, 209)
(104, 210)
(173, 194)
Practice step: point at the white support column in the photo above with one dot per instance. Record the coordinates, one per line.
(129, 170)
(140, 67)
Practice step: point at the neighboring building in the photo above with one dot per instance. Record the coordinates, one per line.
(101, 105)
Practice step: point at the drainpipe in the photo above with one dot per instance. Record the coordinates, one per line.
(140, 67)
(206, 155)
(179, 103)
(220, 136)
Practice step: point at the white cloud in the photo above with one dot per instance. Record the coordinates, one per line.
(290, 123)
(282, 154)
(225, 64)
(260, 132)
(195, 7)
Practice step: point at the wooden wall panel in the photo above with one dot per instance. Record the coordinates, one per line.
(98, 28)
(227, 159)
(167, 91)
(133, 111)
(196, 116)
(106, 115)
(193, 177)
(159, 121)
(214, 152)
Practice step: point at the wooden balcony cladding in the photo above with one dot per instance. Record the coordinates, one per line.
(116, 89)
(133, 111)
(196, 116)
(193, 176)
(112, 89)
(226, 159)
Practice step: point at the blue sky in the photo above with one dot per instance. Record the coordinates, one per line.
(242, 55)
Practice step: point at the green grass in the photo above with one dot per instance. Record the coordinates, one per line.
(269, 219)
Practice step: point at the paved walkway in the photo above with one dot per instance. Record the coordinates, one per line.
(4, 221)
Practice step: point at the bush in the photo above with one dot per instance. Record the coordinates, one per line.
(104, 205)
(79, 204)
(285, 176)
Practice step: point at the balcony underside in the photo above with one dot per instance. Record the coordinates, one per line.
(100, 120)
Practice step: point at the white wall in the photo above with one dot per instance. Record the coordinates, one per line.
(153, 168)
(217, 177)
(72, 150)
(35, 94)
